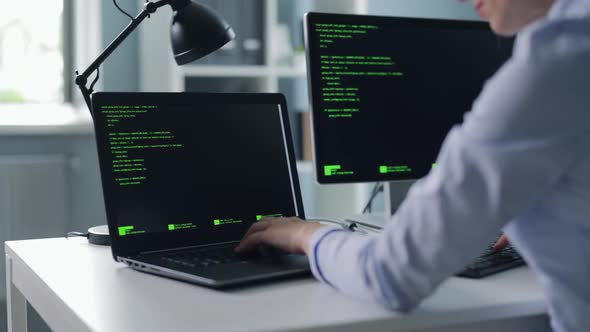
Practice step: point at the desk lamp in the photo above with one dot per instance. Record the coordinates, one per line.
(196, 31)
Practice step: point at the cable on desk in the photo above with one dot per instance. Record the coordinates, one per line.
(98, 235)
(360, 223)
(348, 225)
(76, 234)
(343, 224)
(377, 188)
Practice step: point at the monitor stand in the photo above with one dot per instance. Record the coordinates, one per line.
(393, 193)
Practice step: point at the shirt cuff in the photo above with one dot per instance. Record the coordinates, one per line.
(313, 251)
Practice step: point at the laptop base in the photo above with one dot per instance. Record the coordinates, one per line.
(228, 275)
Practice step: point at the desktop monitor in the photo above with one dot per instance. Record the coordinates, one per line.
(385, 91)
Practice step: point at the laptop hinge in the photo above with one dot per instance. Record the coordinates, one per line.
(189, 247)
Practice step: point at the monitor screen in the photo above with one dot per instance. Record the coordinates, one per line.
(386, 91)
(187, 169)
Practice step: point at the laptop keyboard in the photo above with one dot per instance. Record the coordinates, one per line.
(203, 258)
(490, 262)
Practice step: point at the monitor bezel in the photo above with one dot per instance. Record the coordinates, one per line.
(312, 17)
(128, 246)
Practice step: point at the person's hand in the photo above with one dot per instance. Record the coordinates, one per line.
(501, 243)
(289, 234)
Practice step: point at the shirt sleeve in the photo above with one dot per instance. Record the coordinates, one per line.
(510, 151)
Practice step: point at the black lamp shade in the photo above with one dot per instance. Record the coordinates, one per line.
(197, 31)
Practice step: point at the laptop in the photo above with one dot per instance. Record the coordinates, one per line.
(185, 175)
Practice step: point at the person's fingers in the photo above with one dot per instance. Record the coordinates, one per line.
(258, 227)
(501, 243)
(250, 242)
(272, 219)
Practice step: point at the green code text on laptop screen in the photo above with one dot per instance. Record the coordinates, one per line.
(204, 168)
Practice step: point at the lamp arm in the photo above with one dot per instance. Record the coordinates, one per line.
(82, 79)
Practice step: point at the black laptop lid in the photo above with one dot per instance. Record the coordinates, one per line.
(186, 169)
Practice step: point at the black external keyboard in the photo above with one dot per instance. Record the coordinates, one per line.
(488, 263)
(492, 262)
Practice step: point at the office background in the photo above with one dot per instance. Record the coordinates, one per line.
(49, 178)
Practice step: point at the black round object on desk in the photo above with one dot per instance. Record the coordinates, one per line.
(99, 235)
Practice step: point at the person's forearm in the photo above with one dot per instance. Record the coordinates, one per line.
(490, 169)
(348, 263)
(446, 220)
(310, 229)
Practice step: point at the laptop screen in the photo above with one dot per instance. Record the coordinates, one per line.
(190, 169)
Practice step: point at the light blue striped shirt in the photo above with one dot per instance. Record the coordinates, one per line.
(520, 161)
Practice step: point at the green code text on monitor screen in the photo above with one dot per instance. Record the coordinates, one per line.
(386, 91)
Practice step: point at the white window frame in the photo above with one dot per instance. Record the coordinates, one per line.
(59, 118)
(87, 39)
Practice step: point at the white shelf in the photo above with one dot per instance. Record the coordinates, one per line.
(225, 71)
(160, 73)
(286, 72)
(44, 119)
(253, 71)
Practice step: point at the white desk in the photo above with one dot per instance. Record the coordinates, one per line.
(78, 287)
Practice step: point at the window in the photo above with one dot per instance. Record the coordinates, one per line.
(33, 52)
